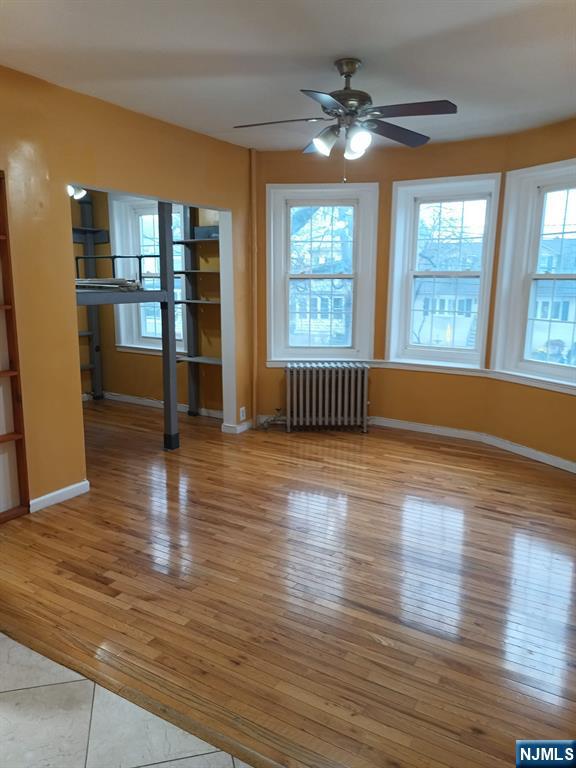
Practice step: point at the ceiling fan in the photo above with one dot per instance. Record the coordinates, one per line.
(354, 114)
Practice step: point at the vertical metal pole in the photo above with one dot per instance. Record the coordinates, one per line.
(169, 379)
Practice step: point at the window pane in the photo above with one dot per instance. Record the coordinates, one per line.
(557, 247)
(320, 313)
(321, 239)
(451, 235)
(445, 312)
(150, 317)
(148, 233)
(551, 333)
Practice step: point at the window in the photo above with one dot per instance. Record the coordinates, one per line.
(440, 269)
(134, 229)
(536, 308)
(321, 267)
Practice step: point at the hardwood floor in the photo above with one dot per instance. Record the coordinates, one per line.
(318, 600)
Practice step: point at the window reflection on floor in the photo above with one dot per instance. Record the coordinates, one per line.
(432, 537)
(322, 514)
(539, 612)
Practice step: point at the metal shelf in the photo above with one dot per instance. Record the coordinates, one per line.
(201, 359)
(198, 301)
(197, 272)
(192, 240)
(86, 298)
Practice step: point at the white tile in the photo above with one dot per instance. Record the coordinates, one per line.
(213, 760)
(46, 727)
(22, 668)
(125, 736)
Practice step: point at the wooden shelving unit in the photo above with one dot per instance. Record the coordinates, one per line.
(12, 448)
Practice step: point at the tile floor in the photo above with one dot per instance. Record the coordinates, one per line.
(51, 717)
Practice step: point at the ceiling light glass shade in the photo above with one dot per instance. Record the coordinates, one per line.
(349, 155)
(360, 139)
(357, 142)
(326, 140)
(76, 192)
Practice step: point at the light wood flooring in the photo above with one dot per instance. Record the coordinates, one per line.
(320, 600)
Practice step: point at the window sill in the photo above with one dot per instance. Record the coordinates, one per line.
(535, 381)
(441, 366)
(284, 363)
(457, 370)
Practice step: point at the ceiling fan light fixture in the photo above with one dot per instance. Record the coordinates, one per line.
(359, 139)
(349, 155)
(325, 140)
(76, 192)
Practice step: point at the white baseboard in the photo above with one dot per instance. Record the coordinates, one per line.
(479, 437)
(57, 497)
(236, 429)
(467, 434)
(149, 403)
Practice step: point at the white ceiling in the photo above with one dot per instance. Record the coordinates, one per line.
(209, 64)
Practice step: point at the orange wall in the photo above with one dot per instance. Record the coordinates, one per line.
(50, 136)
(541, 419)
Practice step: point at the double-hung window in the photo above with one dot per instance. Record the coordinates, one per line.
(134, 230)
(440, 269)
(536, 309)
(321, 267)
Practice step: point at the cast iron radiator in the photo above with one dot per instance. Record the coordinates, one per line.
(326, 395)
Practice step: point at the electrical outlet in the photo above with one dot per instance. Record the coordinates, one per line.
(243, 413)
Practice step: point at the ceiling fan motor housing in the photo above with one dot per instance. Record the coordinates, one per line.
(351, 99)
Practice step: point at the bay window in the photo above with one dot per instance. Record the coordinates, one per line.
(321, 266)
(536, 308)
(440, 269)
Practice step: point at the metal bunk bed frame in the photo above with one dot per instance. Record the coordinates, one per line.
(89, 236)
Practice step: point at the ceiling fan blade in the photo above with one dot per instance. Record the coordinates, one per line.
(396, 133)
(278, 122)
(325, 100)
(442, 107)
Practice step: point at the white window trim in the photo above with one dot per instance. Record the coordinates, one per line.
(405, 195)
(123, 211)
(365, 196)
(522, 211)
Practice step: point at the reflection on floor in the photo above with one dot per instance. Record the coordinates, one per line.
(328, 600)
(51, 717)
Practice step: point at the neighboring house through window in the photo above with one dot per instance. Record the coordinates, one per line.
(441, 259)
(321, 267)
(134, 231)
(536, 309)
